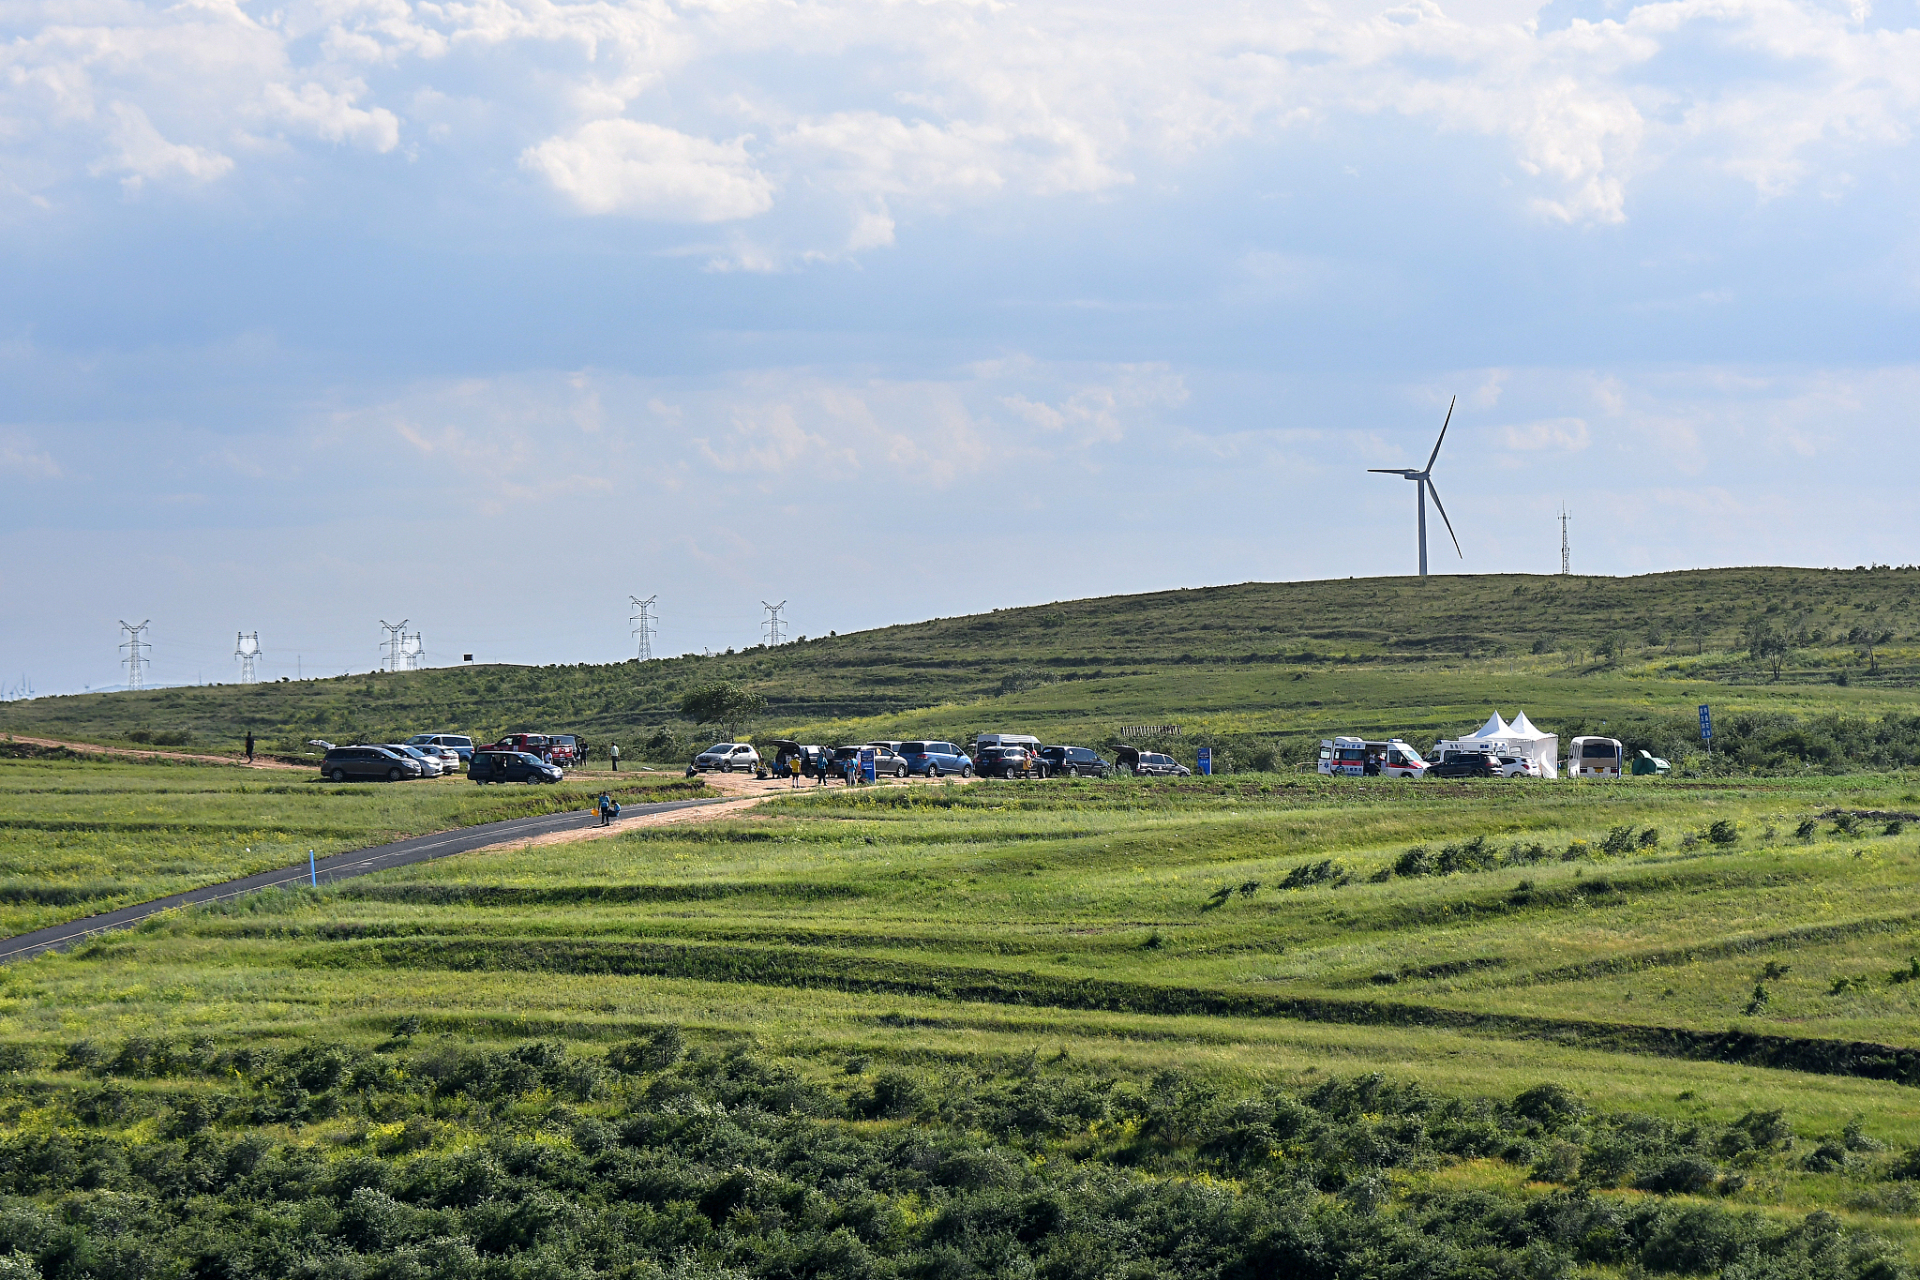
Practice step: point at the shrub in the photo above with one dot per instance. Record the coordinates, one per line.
(656, 1051)
(1723, 832)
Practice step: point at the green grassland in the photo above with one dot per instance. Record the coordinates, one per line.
(80, 835)
(1269, 1023)
(1259, 670)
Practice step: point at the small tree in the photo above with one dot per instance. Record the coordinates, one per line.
(1869, 642)
(723, 703)
(1698, 630)
(1767, 645)
(1614, 646)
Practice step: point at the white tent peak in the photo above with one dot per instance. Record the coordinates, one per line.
(1495, 727)
(1522, 726)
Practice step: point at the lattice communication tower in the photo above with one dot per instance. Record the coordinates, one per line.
(643, 629)
(1566, 561)
(775, 624)
(247, 649)
(136, 646)
(395, 644)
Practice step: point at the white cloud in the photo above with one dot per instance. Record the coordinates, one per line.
(19, 455)
(887, 108)
(140, 152)
(1568, 435)
(632, 167)
(332, 116)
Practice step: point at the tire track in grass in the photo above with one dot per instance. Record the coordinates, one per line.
(780, 967)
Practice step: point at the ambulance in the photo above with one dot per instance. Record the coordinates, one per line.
(1357, 758)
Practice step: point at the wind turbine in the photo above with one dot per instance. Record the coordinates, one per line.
(1424, 479)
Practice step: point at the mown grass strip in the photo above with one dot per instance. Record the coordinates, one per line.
(767, 966)
(495, 895)
(1669, 957)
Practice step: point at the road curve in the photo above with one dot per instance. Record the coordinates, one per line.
(339, 866)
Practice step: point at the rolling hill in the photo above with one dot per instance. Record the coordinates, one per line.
(1259, 667)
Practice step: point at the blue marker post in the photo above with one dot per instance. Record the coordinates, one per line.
(313, 870)
(1205, 760)
(1706, 727)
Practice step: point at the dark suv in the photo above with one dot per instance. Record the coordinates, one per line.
(1073, 762)
(376, 763)
(511, 766)
(1008, 762)
(1466, 764)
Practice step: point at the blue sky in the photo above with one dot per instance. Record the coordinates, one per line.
(492, 314)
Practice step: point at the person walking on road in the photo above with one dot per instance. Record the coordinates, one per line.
(607, 809)
(249, 746)
(613, 749)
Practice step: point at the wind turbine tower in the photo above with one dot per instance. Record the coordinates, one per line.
(643, 627)
(247, 650)
(395, 644)
(1423, 481)
(774, 623)
(1566, 562)
(136, 647)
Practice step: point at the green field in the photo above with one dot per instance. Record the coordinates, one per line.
(83, 835)
(1259, 671)
(1268, 1024)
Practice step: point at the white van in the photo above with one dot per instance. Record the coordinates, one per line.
(1026, 740)
(1357, 757)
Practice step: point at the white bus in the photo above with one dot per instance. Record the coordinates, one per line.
(1595, 757)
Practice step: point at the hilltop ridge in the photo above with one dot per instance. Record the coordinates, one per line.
(1276, 658)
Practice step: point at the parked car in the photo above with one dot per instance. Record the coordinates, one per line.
(511, 766)
(459, 743)
(932, 759)
(805, 759)
(450, 761)
(886, 762)
(565, 750)
(534, 744)
(1008, 762)
(1519, 767)
(1073, 762)
(430, 766)
(375, 763)
(1466, 764)
(727, 757)
(891, 744)
(1150, 764)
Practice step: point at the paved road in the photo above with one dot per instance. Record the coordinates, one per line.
(340, 866)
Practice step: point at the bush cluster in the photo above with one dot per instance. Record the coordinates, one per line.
(655, 1162)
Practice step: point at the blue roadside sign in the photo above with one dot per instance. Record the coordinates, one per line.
(1206, 761)
(867, 755)
(1706, 724)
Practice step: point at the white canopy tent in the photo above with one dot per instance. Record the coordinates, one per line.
(1516, 738)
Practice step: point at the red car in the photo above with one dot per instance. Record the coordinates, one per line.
(534, 744)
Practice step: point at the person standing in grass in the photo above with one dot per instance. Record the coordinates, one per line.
(249, 746)
(613, 750)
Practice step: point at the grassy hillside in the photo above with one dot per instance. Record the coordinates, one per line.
(85, 835)
(1262, 667)
(1252, 1026)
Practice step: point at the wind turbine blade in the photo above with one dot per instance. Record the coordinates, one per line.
(1443, 516)
(1443, 435)
(1390, 471)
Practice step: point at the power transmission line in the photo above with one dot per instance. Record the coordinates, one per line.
(394, 644)
(136, 648)
(247, 649)
(775, 623)
(643, 627)
(1566, 562)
